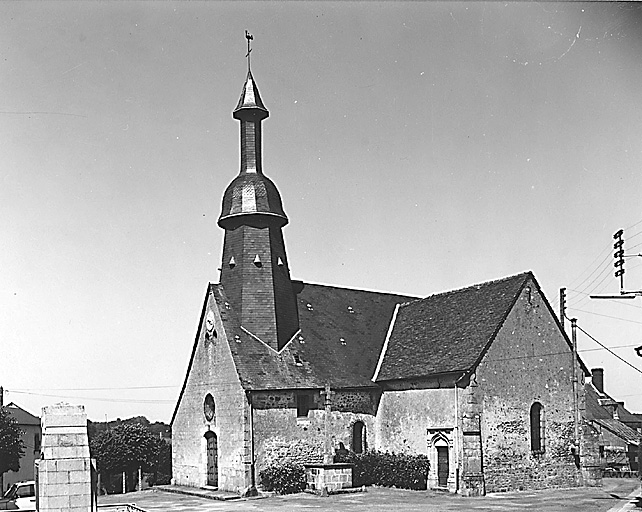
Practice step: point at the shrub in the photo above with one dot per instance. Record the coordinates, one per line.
(284, 478)
(388, 469)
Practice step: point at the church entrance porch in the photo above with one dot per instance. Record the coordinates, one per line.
(212, 459)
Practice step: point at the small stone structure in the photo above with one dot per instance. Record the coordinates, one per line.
(330, 477)
(65, 480)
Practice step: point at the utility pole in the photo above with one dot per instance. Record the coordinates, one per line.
(562, 306)
(619, 256)
(576, 419)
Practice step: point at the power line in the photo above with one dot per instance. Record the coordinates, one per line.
(610, 351)
(638, 222)
(100, 389)
(616, 301)
(95, 399)
(607, 316)
(603, 265)
(617, 346)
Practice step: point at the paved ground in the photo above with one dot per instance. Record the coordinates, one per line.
(617, 495)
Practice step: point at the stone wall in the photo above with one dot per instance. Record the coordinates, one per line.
(528, 362)
(319, 477)
(404, 417)
(279, 435)
(420, 421)
(212, 372)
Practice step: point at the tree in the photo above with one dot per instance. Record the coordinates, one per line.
(11, 445)
(125, 448)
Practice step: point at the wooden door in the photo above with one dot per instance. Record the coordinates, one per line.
(212, 460)
(442, 466)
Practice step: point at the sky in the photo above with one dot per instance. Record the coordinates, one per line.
(418, 147)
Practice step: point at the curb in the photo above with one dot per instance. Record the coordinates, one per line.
(201, 493)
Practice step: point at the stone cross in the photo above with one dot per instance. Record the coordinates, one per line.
(328, 456)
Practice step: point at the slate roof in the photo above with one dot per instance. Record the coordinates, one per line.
(250, 98)
(627, 434)
(342, 333)
(22, 417)
(450, 331)
(251, 194)
(594, 410)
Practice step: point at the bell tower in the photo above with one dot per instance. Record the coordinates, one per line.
(255, 272)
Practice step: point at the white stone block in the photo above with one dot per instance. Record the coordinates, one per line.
(64, 415)
(76, 464)
(79, 477)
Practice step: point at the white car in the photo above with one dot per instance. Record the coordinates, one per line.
(20, 496)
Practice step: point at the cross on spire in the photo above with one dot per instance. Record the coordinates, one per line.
(249, 38)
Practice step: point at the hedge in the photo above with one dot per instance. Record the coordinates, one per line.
(388, 469)
(284, 478)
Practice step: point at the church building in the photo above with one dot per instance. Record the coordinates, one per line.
(483, 380)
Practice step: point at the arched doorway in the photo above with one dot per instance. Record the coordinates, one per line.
(212, 458)
(440, 460)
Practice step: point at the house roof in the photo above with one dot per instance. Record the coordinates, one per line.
(596, 407)
(22, 417)
(594, 410)
(621, 430)
(342, 332)
(448, 332)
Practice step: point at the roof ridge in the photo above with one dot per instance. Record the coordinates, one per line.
(355, 289)
(484, 283)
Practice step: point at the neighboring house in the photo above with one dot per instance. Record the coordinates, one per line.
(482, 379)
(31, 437)
(620, 430)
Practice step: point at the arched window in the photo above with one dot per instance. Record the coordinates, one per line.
(537, 428)
(358, 437)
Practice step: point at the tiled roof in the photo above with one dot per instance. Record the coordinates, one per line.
(594, 410)
(22, 417)
(618, 428)
(450, 331)
(342, 333)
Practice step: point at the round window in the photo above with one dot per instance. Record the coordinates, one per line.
(208, 407)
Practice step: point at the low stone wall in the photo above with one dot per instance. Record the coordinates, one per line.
(331, 477)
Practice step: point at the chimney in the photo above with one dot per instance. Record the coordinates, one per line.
(597, 378)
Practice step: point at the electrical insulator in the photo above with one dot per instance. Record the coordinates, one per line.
(619, 253)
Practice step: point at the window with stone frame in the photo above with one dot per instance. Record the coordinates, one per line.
(537, 428)
(303, 404)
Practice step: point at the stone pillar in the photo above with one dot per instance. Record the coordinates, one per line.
(65, 470)
(472, 474)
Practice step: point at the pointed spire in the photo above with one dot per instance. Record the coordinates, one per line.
(250, 107)
(250, 102)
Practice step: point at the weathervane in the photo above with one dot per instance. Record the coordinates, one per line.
(249, 38)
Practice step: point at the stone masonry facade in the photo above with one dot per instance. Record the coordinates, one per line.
(281, 435)
(529, 362)
(212, 373)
